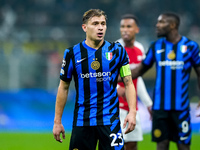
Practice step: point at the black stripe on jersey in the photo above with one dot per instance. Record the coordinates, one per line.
(187, 117)
(186, 42)
(184, 93)
(67, 57)
(186, 54)
(115, 54)
(185, 73)
(113, 118)
(154, 56)
(147, 67)
(186, 90)
(173, 81)
(100, 88)
(111, 64)
(76, 109)
(196, 54)
(162, 96)
(111, 46)
(86, 85)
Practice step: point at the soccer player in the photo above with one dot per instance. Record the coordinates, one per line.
(95, 64)
(174, 55)
(128, 29)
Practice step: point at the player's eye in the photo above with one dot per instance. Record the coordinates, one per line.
(95, 23)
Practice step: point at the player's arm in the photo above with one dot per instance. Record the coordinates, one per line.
(143, 95)
(130, 93)
(138, 71)
(197, 70)
(146, 64)
(61, 99)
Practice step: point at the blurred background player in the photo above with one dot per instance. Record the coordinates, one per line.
(129, 28)
(175, 55)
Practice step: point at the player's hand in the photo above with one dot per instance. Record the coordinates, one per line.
(198, 110)
(150, 111)
(57, 130)
(131, 120)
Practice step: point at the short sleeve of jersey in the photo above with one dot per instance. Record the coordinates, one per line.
(67, 66)
(195, 55)
(149, 59)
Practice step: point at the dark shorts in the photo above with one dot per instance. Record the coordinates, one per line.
(172, 125)
(109, 137)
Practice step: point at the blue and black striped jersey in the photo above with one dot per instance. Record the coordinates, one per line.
(95, 75)
(173, 65)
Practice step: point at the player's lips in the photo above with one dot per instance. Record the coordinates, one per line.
(125, 36)
(99, 34)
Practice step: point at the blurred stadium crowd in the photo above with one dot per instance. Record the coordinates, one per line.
(34, 33)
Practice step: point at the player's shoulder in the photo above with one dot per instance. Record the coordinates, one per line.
(160, 40)
(70, 50)
(139, 46)
(189, 41)
(120, 41)
(113, 45)
(156, 42)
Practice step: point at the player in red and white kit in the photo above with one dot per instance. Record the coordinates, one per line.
(129, 28)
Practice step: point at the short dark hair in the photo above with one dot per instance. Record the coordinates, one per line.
(175, 17)
(130, 16)
(91, 13)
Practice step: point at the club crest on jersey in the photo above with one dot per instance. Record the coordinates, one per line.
(95, 65)
(183, 48)
(171, 55)
(109, 55)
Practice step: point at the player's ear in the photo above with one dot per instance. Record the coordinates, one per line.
(137, 30)
(84, 27)
(173, 25)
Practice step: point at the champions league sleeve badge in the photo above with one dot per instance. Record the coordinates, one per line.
(63, 63)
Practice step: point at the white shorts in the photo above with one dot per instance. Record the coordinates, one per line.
(136, 134)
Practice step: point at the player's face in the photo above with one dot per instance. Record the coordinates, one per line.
(95, 28)
(128, 29)
(163, 26)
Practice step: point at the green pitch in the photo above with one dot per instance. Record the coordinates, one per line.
(45, 141)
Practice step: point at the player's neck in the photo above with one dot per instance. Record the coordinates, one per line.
(94, 44)
(129, 43)
(174, 37)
